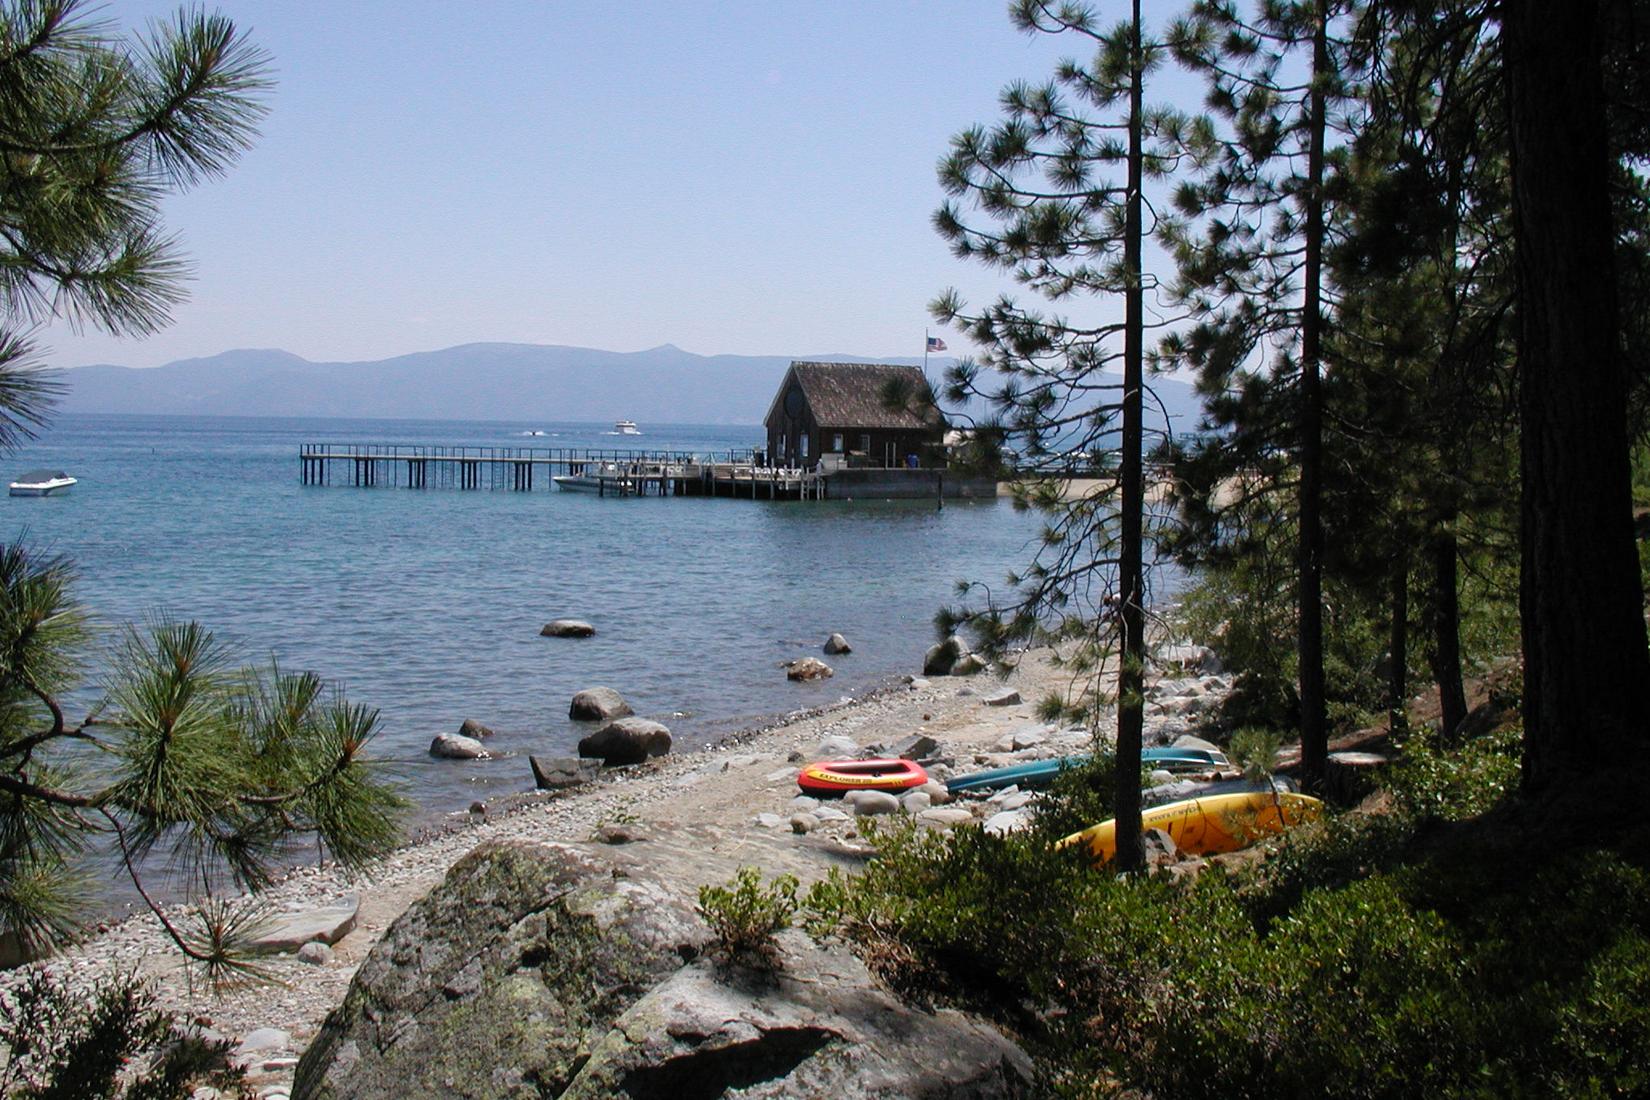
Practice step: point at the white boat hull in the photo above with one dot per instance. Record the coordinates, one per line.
(56, 487)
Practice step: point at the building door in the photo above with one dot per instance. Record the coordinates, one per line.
(889, 456)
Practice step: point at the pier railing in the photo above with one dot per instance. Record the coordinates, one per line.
(615, 470)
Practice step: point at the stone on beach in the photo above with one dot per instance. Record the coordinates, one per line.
(804, 823)
(915, 747)
(598, 704)
(315, 953)
(837, 644)
(627, 741)
(969, 664)
(837, 747)
(808, 668)
(914, 802)
(869, 803)
(946, 818)
(557, 773)
(1007, 697)
(325, 924)
(1009, 821)
(567, 628)
(450, 746)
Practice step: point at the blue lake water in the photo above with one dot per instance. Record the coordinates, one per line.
(427, 603)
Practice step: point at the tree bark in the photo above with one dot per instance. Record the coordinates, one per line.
(1444, 614)
(1131, 676)
(1397, 708)
(1581, 602)
(1314, 722)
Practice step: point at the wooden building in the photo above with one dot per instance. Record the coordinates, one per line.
(835, 415)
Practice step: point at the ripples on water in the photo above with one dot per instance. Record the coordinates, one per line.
(427, 603)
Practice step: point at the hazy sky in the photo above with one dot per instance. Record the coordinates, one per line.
(746, 176)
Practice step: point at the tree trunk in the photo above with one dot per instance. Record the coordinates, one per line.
(1444, 614)
(1131, 694)
(1314, 723)
(1397, 694)
(1580, 599)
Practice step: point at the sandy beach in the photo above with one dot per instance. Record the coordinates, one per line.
(694, 817)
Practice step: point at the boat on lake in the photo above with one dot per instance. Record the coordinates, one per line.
(41, 483)
(626, 427)
(598, 477)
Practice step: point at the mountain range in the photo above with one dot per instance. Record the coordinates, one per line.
(484, 381)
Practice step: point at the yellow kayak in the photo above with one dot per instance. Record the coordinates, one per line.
(1202, 826)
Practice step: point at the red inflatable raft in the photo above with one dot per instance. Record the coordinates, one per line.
(834, 777)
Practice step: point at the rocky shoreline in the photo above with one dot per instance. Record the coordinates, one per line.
(693, 818)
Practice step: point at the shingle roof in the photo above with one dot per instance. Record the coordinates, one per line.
(849, 395)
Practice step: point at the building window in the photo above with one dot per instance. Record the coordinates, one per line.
(865, 443)
(804, 442)
(836, 442)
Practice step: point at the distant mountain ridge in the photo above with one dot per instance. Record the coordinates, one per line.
(482, 381)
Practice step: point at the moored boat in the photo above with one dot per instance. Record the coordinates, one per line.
(41, 483)
(1036, 774)
(837, 777)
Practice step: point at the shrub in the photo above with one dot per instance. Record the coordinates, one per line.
(745, 915)
(114, 1044)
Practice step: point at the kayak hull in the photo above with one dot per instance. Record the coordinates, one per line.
(832, 778)
(1037, 774)
(1206, 826)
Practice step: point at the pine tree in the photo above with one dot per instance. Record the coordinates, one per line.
(1251, 244)
(220, 771)
(1049, 214)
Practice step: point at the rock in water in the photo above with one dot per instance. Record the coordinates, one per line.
(450, 746)
(567, 628)
(599, 704)
(837, 644)
(808, 668)
(627, 741)
(471, 728)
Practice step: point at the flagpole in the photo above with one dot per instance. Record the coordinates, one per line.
(925, 353)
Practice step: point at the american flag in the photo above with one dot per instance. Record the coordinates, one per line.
(936, 344)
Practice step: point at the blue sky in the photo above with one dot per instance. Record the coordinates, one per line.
(729, 176)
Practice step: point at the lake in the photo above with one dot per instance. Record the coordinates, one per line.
(427, 604)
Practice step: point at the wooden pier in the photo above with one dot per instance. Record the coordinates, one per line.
(604, 471)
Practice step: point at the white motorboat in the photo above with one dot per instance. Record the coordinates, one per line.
(626, 427)
(604, 477)
(41, 483)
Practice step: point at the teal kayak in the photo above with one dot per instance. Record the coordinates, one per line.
(1037, 774)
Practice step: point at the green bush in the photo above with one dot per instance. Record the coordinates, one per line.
(745, 915)
(113, 1045)
(1427, 782)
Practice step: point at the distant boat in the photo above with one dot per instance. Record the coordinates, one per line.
(532, 433)
(41, 483)
(626, 427)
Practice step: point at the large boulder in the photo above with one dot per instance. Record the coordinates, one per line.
(819, 1026)
(598, 704)
(567, 628)
(497, 982)
(836, 644)
(627, 741)
(451, 746)
(535, 971)
(942, 655)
